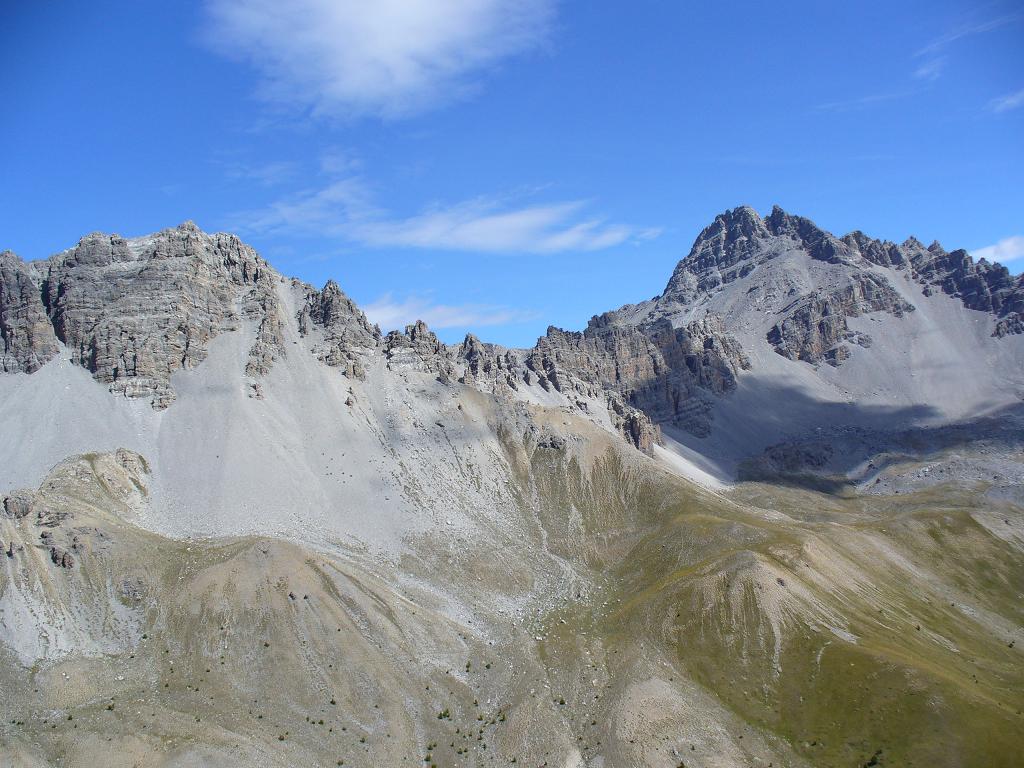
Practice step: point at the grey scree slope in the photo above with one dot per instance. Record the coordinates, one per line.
(239, 385)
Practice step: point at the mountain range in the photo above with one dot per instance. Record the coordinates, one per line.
(773, 516)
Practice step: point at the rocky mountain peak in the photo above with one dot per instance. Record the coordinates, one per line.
(731, 246)
(738, 241)
(779, 222)
(818, 243)
(728, 229)
(730, 238)
(881, 252)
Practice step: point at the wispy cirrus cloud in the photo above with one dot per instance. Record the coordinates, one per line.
(389, 312)
(863, 102)
(967, 29)
(386, 57)
(1008, 249)
(486, 225)
(328, 210)
(264, 174)
(345, 209)
(1008, 102)
(930, 70)
(934, 52)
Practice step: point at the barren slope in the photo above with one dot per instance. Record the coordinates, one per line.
(243, 526)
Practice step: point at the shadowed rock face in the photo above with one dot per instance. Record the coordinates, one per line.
(980, 285)
(816, 327)
(666, 372)
(26, 335)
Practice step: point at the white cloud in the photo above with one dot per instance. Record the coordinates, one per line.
(1008, 249)
(1008, 102)
(386, 57)
(344, 209)
(388, 313)
(481, 225)
(330, 210)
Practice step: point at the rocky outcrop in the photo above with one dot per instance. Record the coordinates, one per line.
(815, 327)
(488, 365)
(666, 372)
(880, 252)
(20, 503)
(342, 336)
(979, 285)
(133, 312)
(633, 424)
(61, 557)
(27, 340)
(819, 244)
(709, 356)
(418, 349)
(721, 254)
(739, 241)
(1009, 325)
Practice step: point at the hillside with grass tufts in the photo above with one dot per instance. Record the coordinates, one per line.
(772, 517)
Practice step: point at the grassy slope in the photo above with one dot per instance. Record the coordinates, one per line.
(928, 597)
(769, 626)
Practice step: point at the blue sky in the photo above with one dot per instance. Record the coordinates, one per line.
(499, 165)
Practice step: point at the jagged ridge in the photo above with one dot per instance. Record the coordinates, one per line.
(133, 312)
